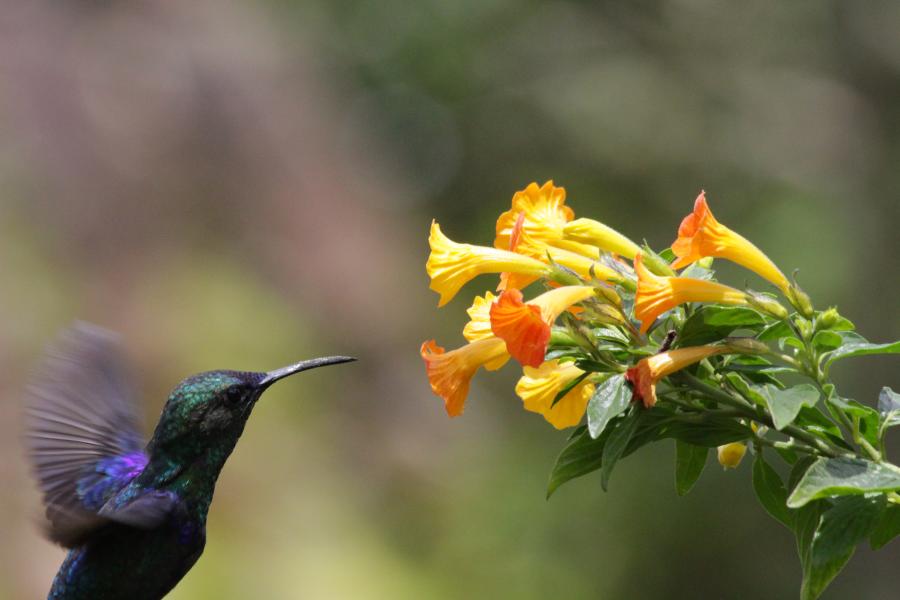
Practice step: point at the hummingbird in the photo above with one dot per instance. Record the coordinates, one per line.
(133, 514)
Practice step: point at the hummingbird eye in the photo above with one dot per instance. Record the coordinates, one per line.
(234, 395)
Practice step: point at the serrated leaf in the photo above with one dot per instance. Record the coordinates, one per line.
(609, 400)
(842, 477)
(785, 405)
(839, 530)
(771, 492)
(861, 349)
(712, 323)
(615, 446)
(689, 463)
(888, 527)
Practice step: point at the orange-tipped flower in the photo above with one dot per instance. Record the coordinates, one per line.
(543, 213)
(525, 326)
(655, 294)
(644, 375)
(538, 388)
(451, 265)
(450, 373)
(700, 235)
(589, 231)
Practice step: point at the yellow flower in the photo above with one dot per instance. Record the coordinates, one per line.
(589, 231)
(700, 235)
(451, 265)
(648, 371)
(543, 212)
(655, 294)
(539, 386)
(525, 327)
(479, 325)
(730, 455)
(450, 373)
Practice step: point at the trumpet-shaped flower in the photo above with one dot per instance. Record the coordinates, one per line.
(701, 235)
(479, 325)
(655, 294)
(730, 455)
(538, 388)
(451, 265)
(544, 210)
(525, 326)
(450, 373)
(648, 371)
(595, 233)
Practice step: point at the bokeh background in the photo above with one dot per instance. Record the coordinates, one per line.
(244, 184)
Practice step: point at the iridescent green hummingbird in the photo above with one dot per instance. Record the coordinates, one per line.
(133, 514)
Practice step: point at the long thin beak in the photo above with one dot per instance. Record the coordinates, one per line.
(305, 365)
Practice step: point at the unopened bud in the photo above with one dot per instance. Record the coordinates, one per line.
(655, 263)
(805, 328)
(607, 293)
(801, 301)
(563, 275)
(828, 319)
(767, 304)
(747, 346)
(730, 455)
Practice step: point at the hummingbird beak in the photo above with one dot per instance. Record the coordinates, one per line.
(305, 365)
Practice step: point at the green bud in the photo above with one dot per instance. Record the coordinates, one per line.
(805, 328)
(747, 346)
(828, 319)
(564, 276)
(608, 294)
(655, 263)
(767, 304)
(801, 301)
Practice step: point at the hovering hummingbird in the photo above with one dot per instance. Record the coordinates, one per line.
(133, 514)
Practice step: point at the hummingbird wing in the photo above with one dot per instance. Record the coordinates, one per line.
(83, 430)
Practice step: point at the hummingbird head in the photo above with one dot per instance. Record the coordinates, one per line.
(206, 413)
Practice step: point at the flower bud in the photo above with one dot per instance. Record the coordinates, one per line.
(730, 455)
(767, 304)
(563, 275)
(745, 345)
(828, 319)
(655, 263)
(801, 301)
(609, 295)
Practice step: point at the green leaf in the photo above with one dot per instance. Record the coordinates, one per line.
(770, 490)
(568, 388)
(712, 323)
(610, 399)
(861, 349)
(839, 530)
(689, 463)
(581, 455)
(842, 477)
(827, 340)
(815, 422)
(667, 255)
(775, 331)
(785, 405)
(869, 420)
(618, 440)
(709, 433)
(888, 527)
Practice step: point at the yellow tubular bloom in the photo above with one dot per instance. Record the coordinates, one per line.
(479, 325)
(539, 386)
(648, 371)
(655, 294)
(545, 214)
(700, 235)
(589, 231)
(450, 373)
(451, 265)
(730, 455)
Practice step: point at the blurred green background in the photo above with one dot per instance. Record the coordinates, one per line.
(242, 185)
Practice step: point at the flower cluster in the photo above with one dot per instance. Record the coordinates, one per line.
(631, 346)
(589, 268)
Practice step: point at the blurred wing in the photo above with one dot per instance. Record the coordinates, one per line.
(83, 430)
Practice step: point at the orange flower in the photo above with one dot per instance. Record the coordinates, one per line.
(700, 235)
(538, 388)
(655, 294)
(648, 371)
(451, 265)
(450, 373)
(525, 327)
